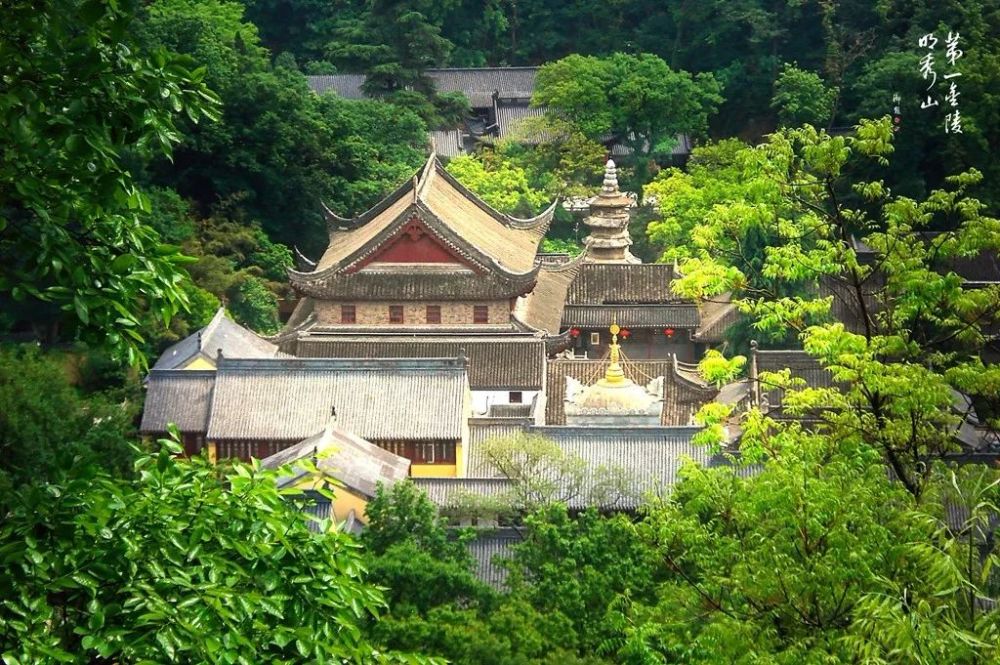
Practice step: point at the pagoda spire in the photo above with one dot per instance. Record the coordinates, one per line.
(614, 374)
(609, 239)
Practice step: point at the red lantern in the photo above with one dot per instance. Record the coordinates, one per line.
(669, 332)
(625, 333)
(574, 332)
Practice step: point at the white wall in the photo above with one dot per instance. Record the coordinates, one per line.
(483, 399)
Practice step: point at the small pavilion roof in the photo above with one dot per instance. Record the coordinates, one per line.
(220, 333)
(359, 464)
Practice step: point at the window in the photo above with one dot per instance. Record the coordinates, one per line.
(348, 314)
(480, 314)
(433, 313)
(595, 339)
(516, 397)
(395, 313)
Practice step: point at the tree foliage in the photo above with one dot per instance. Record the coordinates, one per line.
(505, 186)
(801, 97)
(904, 330)
(277, 147)
(635, 99)
(818, 557)
(70, 230)
(47, 423)
(185, 562)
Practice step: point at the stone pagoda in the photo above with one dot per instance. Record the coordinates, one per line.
(609, 239)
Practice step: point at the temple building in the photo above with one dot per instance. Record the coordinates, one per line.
(415, 408)
(614, 286)
(431, 314)
(433, 271)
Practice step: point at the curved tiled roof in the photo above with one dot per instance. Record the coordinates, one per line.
(623, 283)
(376, 285)
(717, 316)
(679, 315)
(488, 239)
(542, 308)
(220, 333)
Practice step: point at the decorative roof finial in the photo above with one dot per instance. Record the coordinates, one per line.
(331, 422)
(614, 373)
(610, 178)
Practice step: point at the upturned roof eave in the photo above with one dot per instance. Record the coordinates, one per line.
(438, 227)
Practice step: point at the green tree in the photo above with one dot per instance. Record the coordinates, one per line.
(46, 423)
(636, 100)
(70, 225)
(256, 306)
(912, 331)
(573, 568)
(185, 562)
(277, 147)
(411, 551)
(504, 186)
(544, 474)
(393, 42)
(818, 557)
(802, 97)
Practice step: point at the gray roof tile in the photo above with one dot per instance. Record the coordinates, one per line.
(221, 333)
(358, 464)
(179, 396)
(681, 315)
(514, 363)
(650, 458)
(290, 399)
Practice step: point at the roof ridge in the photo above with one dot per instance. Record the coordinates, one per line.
(430, 166)
(443, 363)
(211, 327)
(482, 69)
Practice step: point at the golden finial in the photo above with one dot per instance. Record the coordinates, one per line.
(614, 373)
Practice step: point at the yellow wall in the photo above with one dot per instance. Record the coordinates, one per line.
(199, 363)
(434, 470)
(344, 500)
